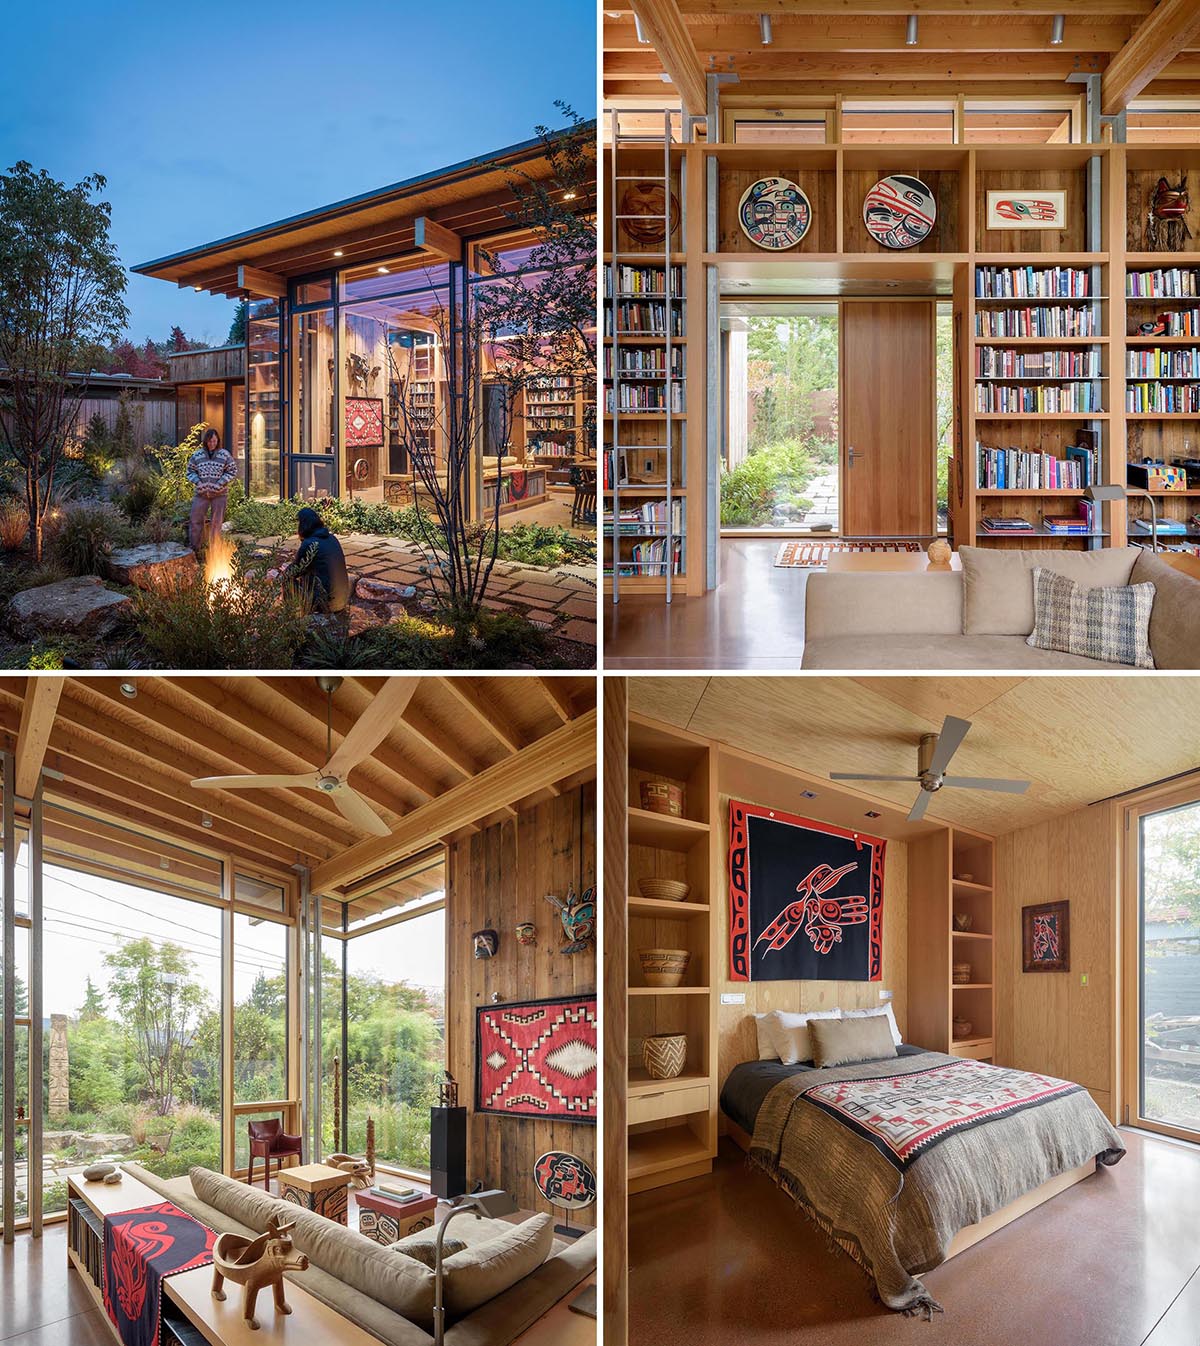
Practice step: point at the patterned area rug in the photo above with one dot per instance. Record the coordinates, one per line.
(811, 554)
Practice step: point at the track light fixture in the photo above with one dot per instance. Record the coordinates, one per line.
(910, 32)
(637, 28)
(764, 28)
(1056, 31)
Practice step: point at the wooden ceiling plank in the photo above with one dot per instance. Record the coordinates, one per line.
(485, 712)
(558, 694)
(1088, 9)
(912, 63)
(568, 748)
(1154, 45)
(38, 710)
(663, 24)
(643, 86)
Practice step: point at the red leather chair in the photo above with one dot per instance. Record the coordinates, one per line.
(268, 1139)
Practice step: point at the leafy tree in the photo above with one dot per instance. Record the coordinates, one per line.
(61, 291)
(93, 1002)
(176, 341)
(159, 1004)
(1171, 865)
(237, 328)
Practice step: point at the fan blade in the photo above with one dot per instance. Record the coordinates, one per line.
(1011, 787)
(950, 739)
(357, 812)
(853, 775)
(255, 782)
(917, 812)
(372, 726)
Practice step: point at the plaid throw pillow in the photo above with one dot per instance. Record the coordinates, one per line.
(1112, 625)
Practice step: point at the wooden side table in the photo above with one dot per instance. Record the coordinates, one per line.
(384, 1220)
(317, 1187)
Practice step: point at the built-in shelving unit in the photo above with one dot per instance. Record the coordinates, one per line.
(672, 1123)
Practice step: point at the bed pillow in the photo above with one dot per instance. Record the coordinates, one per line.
(1112, 625)
(766, 1044)
(841, 1042)
(789, 1033)
(883, 1012)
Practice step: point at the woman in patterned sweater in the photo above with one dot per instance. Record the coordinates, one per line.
(210, 470)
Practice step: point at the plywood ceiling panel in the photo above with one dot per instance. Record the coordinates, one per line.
(1076, 739)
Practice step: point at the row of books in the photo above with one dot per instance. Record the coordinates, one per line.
(649, 517)
(551, 449)
(1164, 397)
(1180, 362)
(1042, 321)
(650, 558)
(996, 362)
(642, 317)
(1183, 322)
(644, 397)
(1023, 470)
(631, 280)
(1164, 283)
(644, 360)
(1028, 282)
(991, 398)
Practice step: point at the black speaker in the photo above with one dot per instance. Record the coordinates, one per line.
(448, 1151)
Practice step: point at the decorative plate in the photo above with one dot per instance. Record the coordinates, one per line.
(774, 213)
(899, 212)
(564, 1180)
(647, 199)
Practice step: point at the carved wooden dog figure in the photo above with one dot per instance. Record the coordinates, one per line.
(255, 1263)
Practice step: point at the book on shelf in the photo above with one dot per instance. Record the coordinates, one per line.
(994, 523)
(1175, 323)
(1014, 469)
(1030, 282)
(644, 362)
(1044, 320)
(1168, 398)
(1164, 526)
(637, 520)
(623, 280)
(643, 317)
(644, 397)
(997, 362)
(1175, 282)
(650, 558)
(1046, 399)
(1161, 362)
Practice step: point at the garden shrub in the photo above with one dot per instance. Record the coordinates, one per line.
(496, 640)
(775, 473)
(98, 452)
(14, 524)
(249, 622)
(85, 537)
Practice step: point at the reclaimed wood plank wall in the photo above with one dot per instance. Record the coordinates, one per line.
(497, 878)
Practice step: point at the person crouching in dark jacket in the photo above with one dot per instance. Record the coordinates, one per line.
(319, 570)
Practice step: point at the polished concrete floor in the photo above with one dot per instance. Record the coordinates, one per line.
(727, 1261)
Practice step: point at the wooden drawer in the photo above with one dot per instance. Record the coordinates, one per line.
(977, 1051)
(667, 1103)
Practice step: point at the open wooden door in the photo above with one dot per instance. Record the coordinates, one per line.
(888, 405)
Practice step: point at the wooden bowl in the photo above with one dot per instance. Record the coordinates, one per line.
(660, 796)
(664, 967)
(664, 1055)
(669, 890)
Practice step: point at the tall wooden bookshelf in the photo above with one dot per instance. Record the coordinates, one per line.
(672, 1123)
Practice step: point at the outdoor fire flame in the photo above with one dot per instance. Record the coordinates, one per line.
(218, 563)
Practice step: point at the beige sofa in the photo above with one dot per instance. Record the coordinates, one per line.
(387, 1293)
(978, 618)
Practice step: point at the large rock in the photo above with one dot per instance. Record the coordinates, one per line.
(77, 607)
(97, 1145)
(148, 565)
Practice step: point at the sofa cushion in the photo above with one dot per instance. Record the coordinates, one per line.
(1175, 617)
(996, 654)
(1111, 624)
(423, 1246)
(488, 1269)
(249, 1206)
(998, 583)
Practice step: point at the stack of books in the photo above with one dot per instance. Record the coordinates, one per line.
(992, 523)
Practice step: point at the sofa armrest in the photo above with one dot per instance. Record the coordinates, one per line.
(881, 604)
(503, 1319)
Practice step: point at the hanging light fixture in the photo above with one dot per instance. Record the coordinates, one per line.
(910, 32)
(1056, 31)
(764, 29)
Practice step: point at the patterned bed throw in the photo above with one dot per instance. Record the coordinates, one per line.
(892, 1158)
(141, 1248)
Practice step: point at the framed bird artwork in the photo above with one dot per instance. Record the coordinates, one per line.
(805, 899)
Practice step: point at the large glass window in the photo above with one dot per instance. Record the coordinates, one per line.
(314, 451)
(264, 398)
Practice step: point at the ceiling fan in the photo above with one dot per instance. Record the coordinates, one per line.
(933, 758)
(370, 729)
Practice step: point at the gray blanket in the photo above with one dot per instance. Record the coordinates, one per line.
(892, 1158)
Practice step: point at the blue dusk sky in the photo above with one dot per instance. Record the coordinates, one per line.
(211, 119)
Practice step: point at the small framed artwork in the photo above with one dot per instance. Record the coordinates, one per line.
(1026, 210)
(1046, 937)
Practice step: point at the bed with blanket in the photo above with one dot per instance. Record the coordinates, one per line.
(905, 1158)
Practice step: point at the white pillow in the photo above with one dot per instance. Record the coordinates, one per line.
(789, 1033)
(871, 1013)
(766, 1046)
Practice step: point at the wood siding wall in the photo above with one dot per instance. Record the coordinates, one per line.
(1050, 1021)
(737, 1038)
(207, 366)
(500, 877)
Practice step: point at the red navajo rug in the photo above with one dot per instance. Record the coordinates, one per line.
(141, 1248)
(537, 1059)
(808, 555)
(905, 1115)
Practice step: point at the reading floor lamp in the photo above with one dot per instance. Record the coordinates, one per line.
(491, 1203)
(1108, 493)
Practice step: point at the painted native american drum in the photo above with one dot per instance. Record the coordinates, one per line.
(774, 213)
(899, 212)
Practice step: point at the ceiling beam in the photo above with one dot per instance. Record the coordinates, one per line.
(265, 284)
(436, 239)
(1155, 44)
(485, 713)
(643, 86)
(559, 697)
(765, 63)
(569, 748)
(663, 24)
(1089, 9)
(38, 710)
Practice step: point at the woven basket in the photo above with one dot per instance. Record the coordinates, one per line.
(664, 1055)
(961, 973)
(669, 890)
(664, 967)
(660, 796)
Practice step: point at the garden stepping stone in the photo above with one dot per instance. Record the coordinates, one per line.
(148, 565)
(83, 606)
